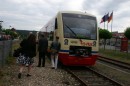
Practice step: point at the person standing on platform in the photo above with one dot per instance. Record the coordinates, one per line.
(55, 48)
(28, 52)
(42, 48)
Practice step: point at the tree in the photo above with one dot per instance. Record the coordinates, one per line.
(0, 28)
(13, 34)
(104, 34)
(127, 32)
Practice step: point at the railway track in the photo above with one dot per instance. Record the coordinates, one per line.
(120, 64)
(90, 77)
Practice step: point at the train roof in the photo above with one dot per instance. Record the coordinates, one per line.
(76, 12)
(60, 12)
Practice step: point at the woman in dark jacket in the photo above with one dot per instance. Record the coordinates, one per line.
(28, 52)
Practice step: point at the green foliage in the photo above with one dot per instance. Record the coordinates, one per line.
(24, 33)
(104, 34)
(127, 32)
(117, 55)
(18, 33)
(0, 27)
(13, 34)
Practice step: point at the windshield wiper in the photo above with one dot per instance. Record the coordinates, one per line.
(71, 30)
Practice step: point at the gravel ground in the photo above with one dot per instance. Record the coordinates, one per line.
(113, 73)
(41, 76)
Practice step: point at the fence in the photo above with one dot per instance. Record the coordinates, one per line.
(115, 44)
(6, 48)
(116, 47)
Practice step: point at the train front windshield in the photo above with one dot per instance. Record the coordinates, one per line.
(79, 26)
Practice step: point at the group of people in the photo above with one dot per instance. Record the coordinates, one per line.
(28, 52)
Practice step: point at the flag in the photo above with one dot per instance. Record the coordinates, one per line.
(110, 18)
(105, 18)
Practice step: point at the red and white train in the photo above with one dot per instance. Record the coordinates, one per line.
(78, 35)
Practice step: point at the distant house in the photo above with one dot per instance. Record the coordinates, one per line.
(115, 40)
(118, 35)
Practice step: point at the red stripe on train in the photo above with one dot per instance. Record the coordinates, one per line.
(77, 61)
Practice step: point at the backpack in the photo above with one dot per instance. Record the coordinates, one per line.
(55, 47)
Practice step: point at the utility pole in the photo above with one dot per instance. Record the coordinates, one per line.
(1, 26)
(10, 27)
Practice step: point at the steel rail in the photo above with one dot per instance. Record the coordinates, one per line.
(82, 81)
(115, 62)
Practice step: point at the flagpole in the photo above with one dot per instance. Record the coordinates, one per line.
(107, 19)
(107, 25)
(112, 22)
(104, 21)
(104, 25)
(99, 25)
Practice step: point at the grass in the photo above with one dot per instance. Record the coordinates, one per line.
(117, 55)
(5, 71)
(15, 46)
(10, 60)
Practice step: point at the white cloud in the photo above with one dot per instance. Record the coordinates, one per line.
(34, 14)
(75, 4)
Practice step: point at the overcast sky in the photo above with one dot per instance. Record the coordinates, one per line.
(34, 14)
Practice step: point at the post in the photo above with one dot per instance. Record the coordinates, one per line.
(3, 55)
(104, 25)
(111, 25)
(1, 26)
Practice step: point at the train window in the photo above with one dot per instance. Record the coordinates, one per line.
(56, 23)
(79, 26)
(51, 36)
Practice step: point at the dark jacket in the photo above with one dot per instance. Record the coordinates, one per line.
(28, 48)
(42, 45)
